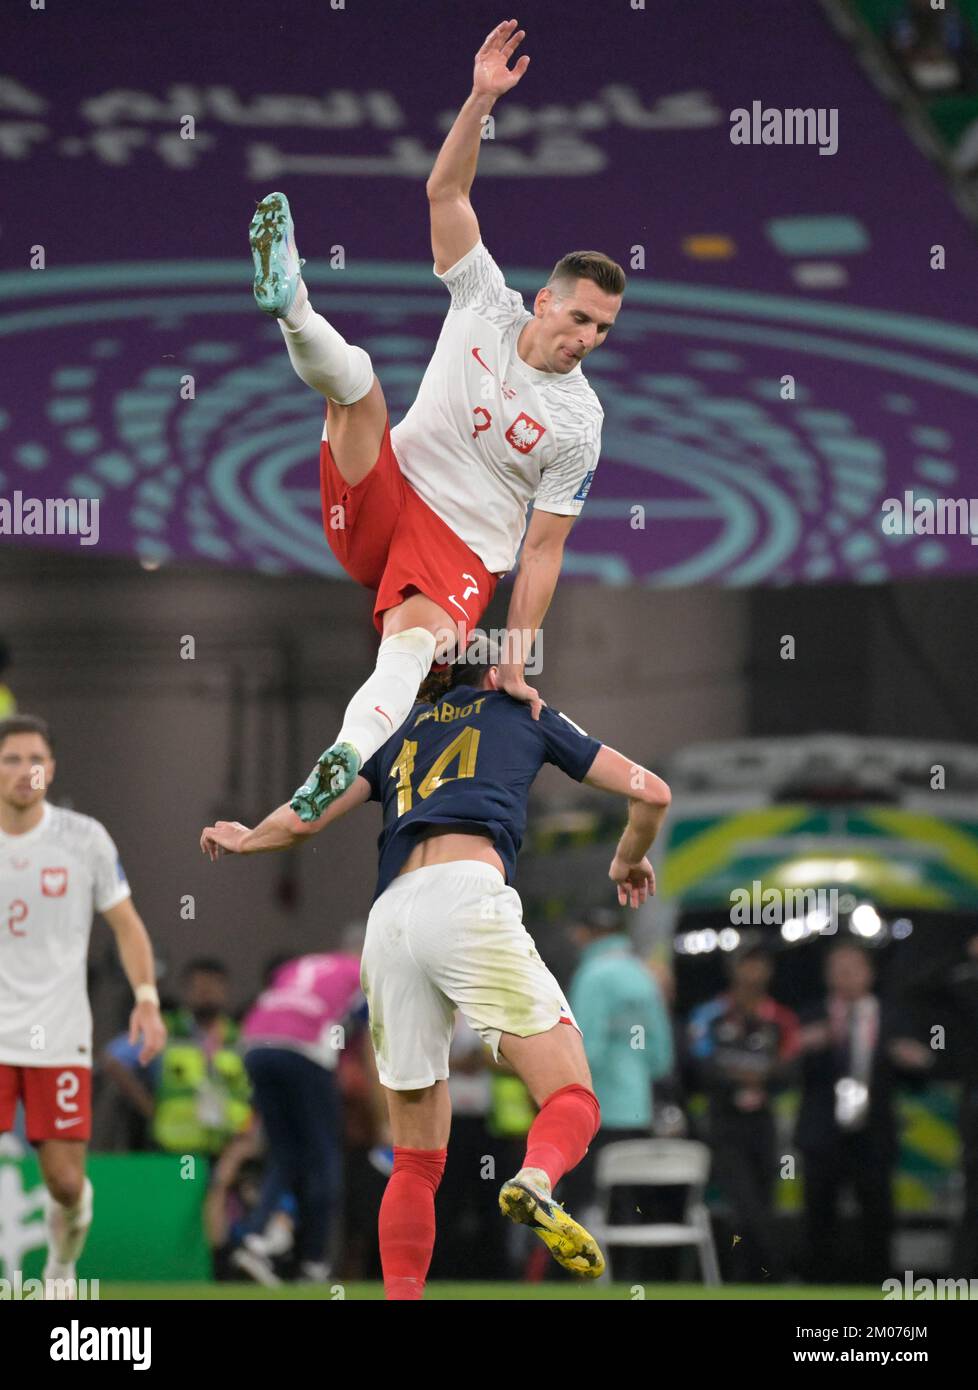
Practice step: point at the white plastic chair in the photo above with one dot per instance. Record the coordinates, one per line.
(658, 1163)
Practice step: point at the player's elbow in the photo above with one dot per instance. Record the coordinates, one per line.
(545, 554)
(652, 791)
(440, 191)
(299, 830)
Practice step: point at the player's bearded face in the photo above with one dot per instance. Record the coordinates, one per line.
(26, 770)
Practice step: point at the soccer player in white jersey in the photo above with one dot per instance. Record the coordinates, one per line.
(431, 514)
(57, 868)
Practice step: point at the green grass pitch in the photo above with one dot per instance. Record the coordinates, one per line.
(498, 1292)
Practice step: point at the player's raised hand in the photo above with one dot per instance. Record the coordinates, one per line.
(223, 838)
(635, 881)
(493, 75)
(512, 680)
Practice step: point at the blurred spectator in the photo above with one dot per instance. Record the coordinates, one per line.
(233, 1202)
(948, 985)
(935, 47)
(8, 705)
(627, 1035)
(669, 1118)
(628, 1042)
(292, 1039)
(846, 1128)
(742, 1045)
(194, 1097)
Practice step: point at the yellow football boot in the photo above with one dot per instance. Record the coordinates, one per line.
(527, 1199)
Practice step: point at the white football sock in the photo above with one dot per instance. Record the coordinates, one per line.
(68, 1227)
(60, 1281)
(536, 1176)
(324, 359)
(383, 702)
(299, 309)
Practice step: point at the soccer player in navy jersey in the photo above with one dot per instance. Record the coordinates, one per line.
(445, 932)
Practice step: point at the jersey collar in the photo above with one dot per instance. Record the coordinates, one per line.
(536, 377)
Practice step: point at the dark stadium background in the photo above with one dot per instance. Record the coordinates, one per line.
(760, 516)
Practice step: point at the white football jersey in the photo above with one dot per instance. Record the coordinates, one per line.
(488, 434)
(52, 880)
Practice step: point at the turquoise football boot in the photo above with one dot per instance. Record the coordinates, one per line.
(330, 778)
(277, 263)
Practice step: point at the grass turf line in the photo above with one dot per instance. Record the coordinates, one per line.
(497, 1292)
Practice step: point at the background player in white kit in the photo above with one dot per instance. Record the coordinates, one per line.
(431, 514)
(57, 868)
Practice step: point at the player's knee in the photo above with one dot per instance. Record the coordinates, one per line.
(583, 1098)
(357, 379)
(416, 643)
(65, 1186)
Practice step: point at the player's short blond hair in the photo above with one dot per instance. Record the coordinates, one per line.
(589, 265)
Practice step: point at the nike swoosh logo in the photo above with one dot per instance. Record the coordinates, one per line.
(475, 354)
(385, 714)
(63, 1124)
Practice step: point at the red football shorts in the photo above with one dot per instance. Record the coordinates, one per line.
(388, 539)
(57, 1100)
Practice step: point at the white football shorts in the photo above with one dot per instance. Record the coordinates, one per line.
(447, 937)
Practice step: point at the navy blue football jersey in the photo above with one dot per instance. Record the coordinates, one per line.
(468, 762)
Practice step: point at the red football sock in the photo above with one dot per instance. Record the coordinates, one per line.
(568, 1120)
(407, 1220)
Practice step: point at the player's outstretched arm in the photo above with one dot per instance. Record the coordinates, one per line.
(648, 802)
(281, 829)
(454, 226)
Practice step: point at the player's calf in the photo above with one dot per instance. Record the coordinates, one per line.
(552, 1066)
(407, 1221)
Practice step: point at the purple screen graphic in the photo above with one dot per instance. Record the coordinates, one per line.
(761, 262)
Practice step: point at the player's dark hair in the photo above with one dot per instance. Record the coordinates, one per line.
(590, 265)
(603, 921)
(439, 682)
(204, 965)
(26, 724)
(857, 947)
(756, 951)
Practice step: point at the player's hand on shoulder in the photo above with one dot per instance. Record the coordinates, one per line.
(635, 881)
(492, 76)
(513, 682)
(223, 838)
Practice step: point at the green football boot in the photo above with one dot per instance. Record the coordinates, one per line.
(277, 263)
(330, 778)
